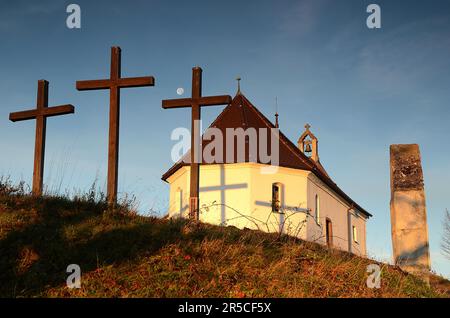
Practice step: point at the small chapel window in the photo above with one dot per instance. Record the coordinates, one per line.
(179, 202)
(276, 198)
(355, 234)
(317, 209)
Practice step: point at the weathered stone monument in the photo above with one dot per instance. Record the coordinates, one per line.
(408, 211)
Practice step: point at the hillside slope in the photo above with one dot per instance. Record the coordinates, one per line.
(125, 255)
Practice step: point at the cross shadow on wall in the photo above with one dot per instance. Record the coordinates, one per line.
(281, 216)
(223, 187)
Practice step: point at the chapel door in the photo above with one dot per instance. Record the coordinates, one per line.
(329, 233)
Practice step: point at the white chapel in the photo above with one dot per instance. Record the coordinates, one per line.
(300, 199)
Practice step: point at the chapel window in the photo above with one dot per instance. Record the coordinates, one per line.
(276, 198)
(317, 209)
(179, 202)
(355, 234)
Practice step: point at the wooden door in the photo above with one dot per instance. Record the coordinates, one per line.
(329, 233)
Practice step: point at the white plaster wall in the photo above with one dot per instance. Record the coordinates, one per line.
(293, 200)
(337, 210)
(224, 194)
(179, 182)
(228, 192)
(358, 220)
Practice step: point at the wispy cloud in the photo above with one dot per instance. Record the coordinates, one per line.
(405, 58)
(17, 13)
(302, 17)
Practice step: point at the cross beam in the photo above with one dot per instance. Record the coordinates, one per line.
(114, 84)
(41, 113)
(195, 102)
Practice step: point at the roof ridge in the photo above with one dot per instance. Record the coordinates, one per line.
(314, 166)
(220, 115)
(304, 163)
(283, 138)
(181, 160)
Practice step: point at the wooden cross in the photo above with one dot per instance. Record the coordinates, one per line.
(41, 113)
(195, 102)
(114, 84)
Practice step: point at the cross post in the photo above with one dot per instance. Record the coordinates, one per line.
(196, 102)
(114, 84)
(41, 113)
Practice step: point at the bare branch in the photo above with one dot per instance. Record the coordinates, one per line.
(445, 245)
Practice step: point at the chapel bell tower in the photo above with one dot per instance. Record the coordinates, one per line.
(308, 144)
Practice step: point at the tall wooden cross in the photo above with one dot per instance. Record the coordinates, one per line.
(114, 84)
(195, 102)
(41, 113)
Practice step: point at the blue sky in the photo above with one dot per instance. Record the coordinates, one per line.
(360, 89)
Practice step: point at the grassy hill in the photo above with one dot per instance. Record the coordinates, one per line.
(122, 254)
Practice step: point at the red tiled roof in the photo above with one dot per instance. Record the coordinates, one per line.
(242, 114)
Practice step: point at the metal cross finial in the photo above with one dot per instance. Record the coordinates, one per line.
(238, 79)
(307, 126)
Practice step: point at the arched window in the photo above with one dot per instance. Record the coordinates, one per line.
(317, 209)
(355, 234)
(276, 198)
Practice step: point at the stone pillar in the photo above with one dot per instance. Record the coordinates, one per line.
(408, 211)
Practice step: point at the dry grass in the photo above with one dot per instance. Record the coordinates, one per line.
(122, 254)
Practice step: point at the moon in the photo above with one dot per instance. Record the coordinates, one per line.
(180, 91)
